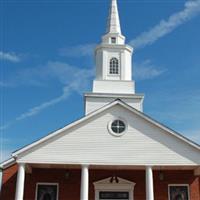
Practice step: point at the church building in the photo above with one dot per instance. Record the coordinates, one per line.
(114, 152)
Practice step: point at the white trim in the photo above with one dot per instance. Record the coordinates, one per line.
(46, 183)
(7, 163)
(187, 185)
(130, 96)
(114, 75)
(119, 46)
(122, 186)
(109, 164)
(90, 115)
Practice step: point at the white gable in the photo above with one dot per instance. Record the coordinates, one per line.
(90, 142)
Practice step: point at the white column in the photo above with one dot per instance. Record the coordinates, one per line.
(20, 182)
(84, 182)
(149, 183)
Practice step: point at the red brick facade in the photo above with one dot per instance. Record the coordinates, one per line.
(69, 188)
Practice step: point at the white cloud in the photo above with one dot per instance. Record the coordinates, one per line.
(73, 79)
(146, 70)
(44, 75)
(10, 56)
(191, 9)
(67, 90)
(78, 51)
(37, 109)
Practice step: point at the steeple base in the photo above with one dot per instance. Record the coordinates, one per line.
(94, 101)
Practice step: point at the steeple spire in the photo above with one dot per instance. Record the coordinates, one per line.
(113, 23)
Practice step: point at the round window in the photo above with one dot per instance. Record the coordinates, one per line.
(118, 126)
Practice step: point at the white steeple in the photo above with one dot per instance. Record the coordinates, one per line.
(113, 23)
(113, 68)
(114, 58)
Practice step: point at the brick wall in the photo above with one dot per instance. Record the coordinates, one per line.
(69, 188)
(8, 183)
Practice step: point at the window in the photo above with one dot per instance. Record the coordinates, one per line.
(114, 66)
(113, 40)
(47, 191)
(178, 192)
(117, 127)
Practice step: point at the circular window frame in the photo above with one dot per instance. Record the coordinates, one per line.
(117, 134)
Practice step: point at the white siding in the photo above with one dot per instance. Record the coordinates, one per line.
(91, 143)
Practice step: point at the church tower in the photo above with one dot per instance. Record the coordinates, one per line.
(113, 68)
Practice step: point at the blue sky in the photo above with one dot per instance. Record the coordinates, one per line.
(46, 63)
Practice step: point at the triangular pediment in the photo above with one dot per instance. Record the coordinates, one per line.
(89, 141)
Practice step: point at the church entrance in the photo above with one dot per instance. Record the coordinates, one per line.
(114, 188)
